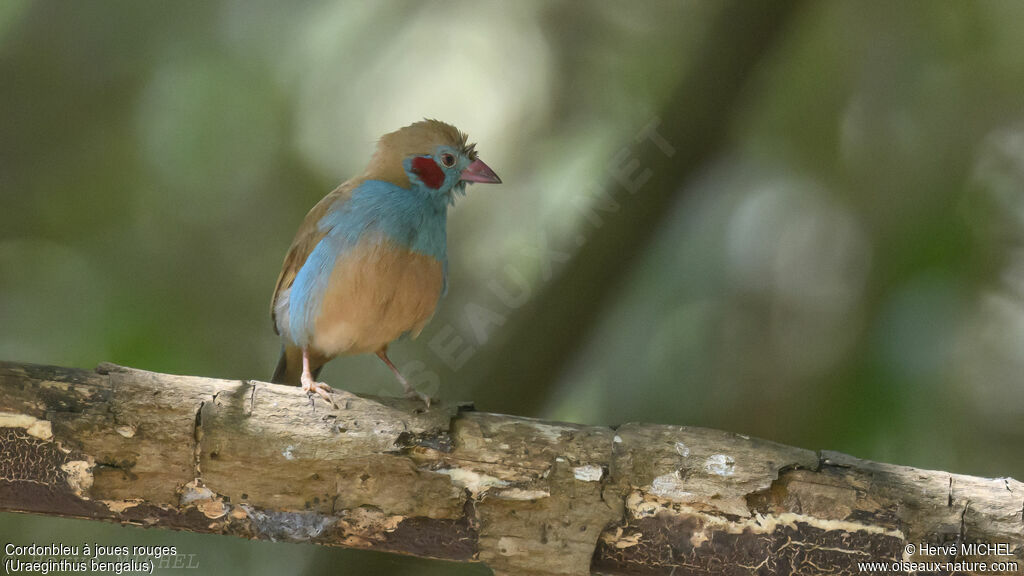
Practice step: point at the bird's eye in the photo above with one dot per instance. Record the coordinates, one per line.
(448, 160)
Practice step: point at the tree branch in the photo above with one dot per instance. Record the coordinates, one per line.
(524, 496)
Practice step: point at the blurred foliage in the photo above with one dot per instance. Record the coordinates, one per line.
(849, 276)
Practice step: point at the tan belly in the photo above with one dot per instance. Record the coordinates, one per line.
(376, 293)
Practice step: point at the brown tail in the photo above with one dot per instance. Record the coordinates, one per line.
(289, 366)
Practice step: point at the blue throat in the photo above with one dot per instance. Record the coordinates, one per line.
(415, 217)
(409, 217)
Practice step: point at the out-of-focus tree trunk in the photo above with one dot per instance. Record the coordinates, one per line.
(523, 359)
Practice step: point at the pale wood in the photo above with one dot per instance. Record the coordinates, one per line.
(523, 496)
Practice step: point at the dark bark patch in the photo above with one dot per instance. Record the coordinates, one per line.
(436, 538)
(664, 546)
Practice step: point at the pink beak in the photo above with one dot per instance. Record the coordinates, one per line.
(479, 172)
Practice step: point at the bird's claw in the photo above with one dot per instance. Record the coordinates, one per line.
(310, 387)
(413, 393)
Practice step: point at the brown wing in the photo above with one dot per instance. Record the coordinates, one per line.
(308, 236)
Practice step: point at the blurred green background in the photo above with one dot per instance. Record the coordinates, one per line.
(846, 273)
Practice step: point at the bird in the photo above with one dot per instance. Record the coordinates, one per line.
(369, 263)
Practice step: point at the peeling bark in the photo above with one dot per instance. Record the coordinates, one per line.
(521, 495)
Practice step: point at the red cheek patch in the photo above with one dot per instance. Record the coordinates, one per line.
(428, 171)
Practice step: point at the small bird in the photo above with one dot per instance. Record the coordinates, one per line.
(369, 262)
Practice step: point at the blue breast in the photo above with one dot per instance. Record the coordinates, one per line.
(408, 217)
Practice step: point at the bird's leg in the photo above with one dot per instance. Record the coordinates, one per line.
(410, 392)
(309, 385)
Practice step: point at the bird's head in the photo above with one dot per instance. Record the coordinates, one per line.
(431, 156)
